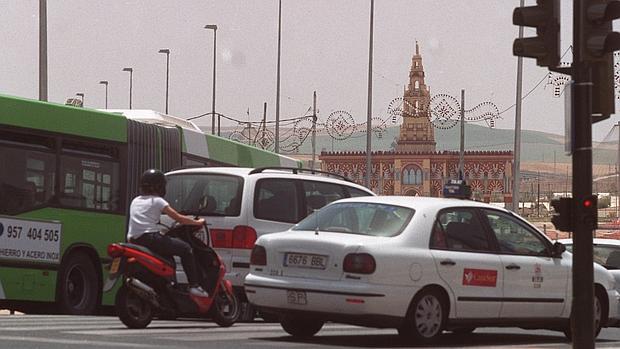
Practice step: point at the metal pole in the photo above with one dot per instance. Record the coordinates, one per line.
(277, 135)
(462, 149)
(538, 195)
(214, 28)
(313, 130)
(369, 111)
(106, 96)
(43, 50)
(262, 141)
(517, 148)
(130, 87)
(583, 269)
(618, 176)
(214, 63)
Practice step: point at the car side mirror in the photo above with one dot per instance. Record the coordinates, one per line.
(558, 249)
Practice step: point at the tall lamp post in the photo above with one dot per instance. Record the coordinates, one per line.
(214, 28)
(105, 82)
(130, 70)
(277, 135)
(167, 52)
(43, 50)
(81, 95)
(369, 116)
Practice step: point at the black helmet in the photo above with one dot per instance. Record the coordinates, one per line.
(153, 182)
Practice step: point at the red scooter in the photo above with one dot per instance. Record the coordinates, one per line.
(150, 286)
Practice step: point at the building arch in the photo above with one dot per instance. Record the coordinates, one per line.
(412, 175)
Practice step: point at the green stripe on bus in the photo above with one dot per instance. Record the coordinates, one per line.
(227, 151)
(54, 117)
(28, 284)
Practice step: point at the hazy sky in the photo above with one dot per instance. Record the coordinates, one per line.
(464, 45)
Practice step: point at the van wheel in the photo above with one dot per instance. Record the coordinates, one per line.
(598, 319)
(78, 288)
(425, 319)
(301, 327)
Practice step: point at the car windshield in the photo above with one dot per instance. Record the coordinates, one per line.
(605, 255)
(359, 218)
(205, 194)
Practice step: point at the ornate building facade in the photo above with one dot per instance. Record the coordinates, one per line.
(415, 167)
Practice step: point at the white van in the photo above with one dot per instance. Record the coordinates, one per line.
(245, 203)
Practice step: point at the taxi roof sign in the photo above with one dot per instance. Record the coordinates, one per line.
(457, 188)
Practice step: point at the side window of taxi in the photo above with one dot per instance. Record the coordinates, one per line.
(513, 236)
(459, 229)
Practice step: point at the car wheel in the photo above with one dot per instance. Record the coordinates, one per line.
(78, 288)
(425, 319)
(598, 316)
(301, 327)
(133, 311)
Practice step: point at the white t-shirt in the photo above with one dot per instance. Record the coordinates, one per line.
(144, 214)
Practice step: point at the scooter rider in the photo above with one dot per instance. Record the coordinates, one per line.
(144, 214)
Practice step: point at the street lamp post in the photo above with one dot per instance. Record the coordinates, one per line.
(369, 116)
(81, 95)
(214, 28)
(167, 52)
(130, 70)
(105, 82)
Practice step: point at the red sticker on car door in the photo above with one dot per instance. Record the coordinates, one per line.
(480, 277)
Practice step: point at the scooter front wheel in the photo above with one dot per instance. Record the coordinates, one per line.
(133, 311)
(226, 308)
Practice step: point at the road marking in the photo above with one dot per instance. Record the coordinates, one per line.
(82, 343)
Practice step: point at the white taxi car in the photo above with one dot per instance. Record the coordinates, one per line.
(420, 265)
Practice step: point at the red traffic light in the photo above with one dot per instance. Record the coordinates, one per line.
(587, 203)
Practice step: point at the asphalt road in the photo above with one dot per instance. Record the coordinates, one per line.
(54, 331)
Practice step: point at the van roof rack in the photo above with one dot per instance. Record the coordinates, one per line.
(296, 170)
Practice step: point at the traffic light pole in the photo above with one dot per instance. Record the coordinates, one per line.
(583, 269)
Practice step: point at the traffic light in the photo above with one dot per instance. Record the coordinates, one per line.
(589, 207)
(562, 218)
(600, 42)
(545, 47)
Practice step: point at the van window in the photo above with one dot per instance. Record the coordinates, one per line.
(319, 194)
(276, 199)
(205, 194)
(354, 192)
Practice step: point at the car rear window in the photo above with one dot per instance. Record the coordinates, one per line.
(362, 218)
(216, 194)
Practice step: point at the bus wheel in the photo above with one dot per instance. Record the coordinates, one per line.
(78, 288)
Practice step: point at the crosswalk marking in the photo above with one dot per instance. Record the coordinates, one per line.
(79, 342)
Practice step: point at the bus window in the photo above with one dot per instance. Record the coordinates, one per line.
(26, 173)
(89, 180)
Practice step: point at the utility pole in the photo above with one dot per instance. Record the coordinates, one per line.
(43, 50)
(313, 130)
(262, 141)
(618, 175)
(369, 110)
(277, 134)
(516, 180)
(462, 149)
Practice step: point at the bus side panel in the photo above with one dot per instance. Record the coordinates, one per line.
(93, 229)
(27, 284)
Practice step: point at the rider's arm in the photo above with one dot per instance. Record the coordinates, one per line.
(172, 213)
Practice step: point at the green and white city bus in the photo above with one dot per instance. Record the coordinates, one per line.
(67, 175)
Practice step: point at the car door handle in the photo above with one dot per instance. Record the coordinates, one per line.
(447, 262)
(513, 267)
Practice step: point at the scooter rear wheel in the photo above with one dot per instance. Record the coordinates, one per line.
(133, 311)
(226, 309)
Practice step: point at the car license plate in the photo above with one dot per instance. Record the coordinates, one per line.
(296, 297)
(115, 264)
(301, 260)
